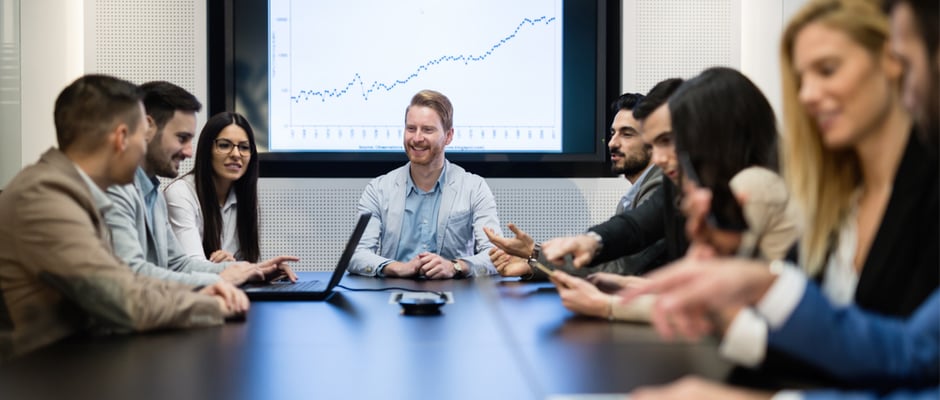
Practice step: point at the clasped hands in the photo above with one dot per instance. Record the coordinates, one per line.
(426, 264)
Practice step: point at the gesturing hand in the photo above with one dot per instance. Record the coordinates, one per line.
(520, 246)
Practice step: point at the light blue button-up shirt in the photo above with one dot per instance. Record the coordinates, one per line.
(149, 187)
(419, 223)
(627, 200)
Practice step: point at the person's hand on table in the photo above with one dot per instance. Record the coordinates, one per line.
(221, 256)
(278, 268)
(232, 301)
(509, 265)
(581, 296)
(241, 272)
(433, 266)
(692, 291)
(397, 269)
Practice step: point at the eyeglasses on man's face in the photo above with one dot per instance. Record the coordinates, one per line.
(225, 146)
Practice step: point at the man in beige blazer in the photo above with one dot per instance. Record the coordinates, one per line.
(58, 275)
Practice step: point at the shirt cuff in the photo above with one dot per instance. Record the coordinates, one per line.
(783, 296)
(787, 395)
(380, 270)
(745, 341)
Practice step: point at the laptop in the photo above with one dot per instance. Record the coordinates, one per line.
(310, 289)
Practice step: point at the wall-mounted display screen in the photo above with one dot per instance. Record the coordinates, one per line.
(328, 81)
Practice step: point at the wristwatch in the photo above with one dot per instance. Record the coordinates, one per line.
(533, 259)
(458, 270)
(536, 252)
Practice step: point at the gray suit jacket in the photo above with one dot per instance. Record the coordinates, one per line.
(152, 250)
(58, 275)
(467, 205)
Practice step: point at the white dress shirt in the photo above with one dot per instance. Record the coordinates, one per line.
(745, 341)
(185, 216)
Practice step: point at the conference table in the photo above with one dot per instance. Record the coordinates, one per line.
(499, 339)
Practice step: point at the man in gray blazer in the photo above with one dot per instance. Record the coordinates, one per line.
(428, 215)
(140, 228)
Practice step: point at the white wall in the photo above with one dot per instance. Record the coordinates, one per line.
(52, 34)
(10, 139)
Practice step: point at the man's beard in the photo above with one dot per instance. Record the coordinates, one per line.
(631, 166)
(162, 167)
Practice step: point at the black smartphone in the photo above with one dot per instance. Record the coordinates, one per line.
(725, 211)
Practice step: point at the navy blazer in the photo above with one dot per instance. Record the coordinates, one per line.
(854, 345)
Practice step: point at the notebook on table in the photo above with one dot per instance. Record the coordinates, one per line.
(310, 289)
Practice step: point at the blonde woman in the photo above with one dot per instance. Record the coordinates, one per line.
(867, 188)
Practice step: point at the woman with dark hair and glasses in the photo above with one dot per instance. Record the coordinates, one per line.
(213, 209)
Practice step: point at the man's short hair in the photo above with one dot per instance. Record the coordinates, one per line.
(162, 99)
(91, 106)
(626, 101)
(657, 96)
(437, 102)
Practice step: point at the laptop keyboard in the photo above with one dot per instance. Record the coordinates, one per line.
(303, 286)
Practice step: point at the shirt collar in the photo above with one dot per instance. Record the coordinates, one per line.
(101, 200)
(147, 184)
(645, 173)
(635, 187)
(410, 183)
(230, 201)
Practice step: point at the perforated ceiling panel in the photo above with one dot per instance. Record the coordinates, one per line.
(678, 38)
(312, 218)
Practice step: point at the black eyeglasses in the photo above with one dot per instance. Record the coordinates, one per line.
(225, 146)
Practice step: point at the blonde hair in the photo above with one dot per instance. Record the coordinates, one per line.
(437, 102)
(822, 180)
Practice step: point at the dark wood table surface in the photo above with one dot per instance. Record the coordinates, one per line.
(500, 339)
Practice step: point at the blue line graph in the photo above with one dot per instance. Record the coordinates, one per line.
(376, 86)
(339, 80)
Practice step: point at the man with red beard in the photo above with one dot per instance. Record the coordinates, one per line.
(138, 220)
(428, 215)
